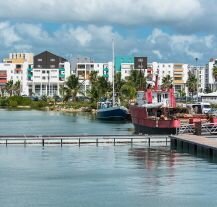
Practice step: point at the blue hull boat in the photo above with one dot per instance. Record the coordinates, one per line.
(112, 113)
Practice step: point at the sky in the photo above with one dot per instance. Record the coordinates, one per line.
(163, 30)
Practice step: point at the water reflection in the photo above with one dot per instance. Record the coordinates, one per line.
(152, 158)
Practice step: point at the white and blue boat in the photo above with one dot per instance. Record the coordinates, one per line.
(107, 111)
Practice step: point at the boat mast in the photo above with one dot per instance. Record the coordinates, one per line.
(113, 73)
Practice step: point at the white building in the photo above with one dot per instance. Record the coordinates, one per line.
(83, 71)
(15, 67)
(48, 74)
(209, 78)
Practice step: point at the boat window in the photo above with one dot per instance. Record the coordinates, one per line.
(206, 106)
(151, 112)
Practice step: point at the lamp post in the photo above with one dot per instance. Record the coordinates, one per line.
(140, 60)
(196, 59)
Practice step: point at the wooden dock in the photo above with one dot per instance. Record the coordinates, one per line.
(198, 145)
(82, 139)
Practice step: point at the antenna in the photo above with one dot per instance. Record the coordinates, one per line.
(113, 73)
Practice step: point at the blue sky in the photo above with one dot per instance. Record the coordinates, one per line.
(163, 30)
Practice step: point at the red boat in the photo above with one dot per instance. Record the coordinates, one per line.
(153, 111)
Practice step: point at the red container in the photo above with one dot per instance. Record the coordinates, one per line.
(213, 119)
(194, 120)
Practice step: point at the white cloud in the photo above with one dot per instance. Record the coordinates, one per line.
(158, 54)
(8, 35)
(108, 11)
(96, 42)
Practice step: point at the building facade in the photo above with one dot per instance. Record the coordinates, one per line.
(48, 74)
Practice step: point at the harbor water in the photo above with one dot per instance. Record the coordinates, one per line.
(32, 122)
(124, 175)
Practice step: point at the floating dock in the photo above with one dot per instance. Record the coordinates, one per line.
(82, 139)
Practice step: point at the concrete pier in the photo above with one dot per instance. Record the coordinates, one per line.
(197, 145)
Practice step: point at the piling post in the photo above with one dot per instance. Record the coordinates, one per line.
(97, 142)
(43, 142)
(79, 142)
(114, 141)
(24, 142)
(149, 141)
(6, 142)
(61, 142)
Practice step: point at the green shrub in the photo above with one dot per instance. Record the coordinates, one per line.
(3, 102)
(12, 103)
(21, 101)
(38, 104)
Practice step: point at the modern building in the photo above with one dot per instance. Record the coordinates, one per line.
(15, 68)
(122, 59)
(83, 71)
(200, 74)
(48, 74)
(210, 81)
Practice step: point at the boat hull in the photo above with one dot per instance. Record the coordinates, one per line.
(113, 113)
(152, 125)
(141, 129)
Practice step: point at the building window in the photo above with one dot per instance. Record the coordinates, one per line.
(39, 66)
(52, 66)
(43, 71)
(39, 60)
(43, 78)
(52, 60)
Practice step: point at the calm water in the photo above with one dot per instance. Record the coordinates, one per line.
(104, 176)
(121, 175)
(56, 123)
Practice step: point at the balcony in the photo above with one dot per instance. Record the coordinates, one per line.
(62, 69)
(61, 75)
(3, 81)
(105, 75)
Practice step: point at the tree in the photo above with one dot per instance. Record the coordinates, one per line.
(192, 83)
(16, 88)
(137, 79)
(9, 87)
(167, 81)
(100, 87)
(214, 73)
(128, 92)
(118, 84)
(72, 88)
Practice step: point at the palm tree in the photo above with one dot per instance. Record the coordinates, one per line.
(167, 81)
(9, 87)
(128, 92)
(214, 73)
(192, 83)
(137, 79)
(16, 88)
(103, 86)
(72, 88)
(118, 83)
